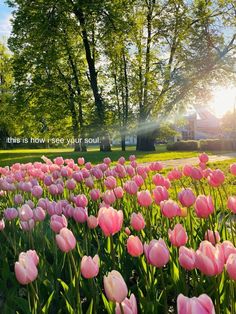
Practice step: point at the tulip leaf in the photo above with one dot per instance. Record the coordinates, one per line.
(90, 309)
(47, 304)
(107, 304)
(64, 285)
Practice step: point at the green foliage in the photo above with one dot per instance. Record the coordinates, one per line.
(184, 145)
(217, 145)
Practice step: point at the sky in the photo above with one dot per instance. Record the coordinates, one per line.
(5, 25)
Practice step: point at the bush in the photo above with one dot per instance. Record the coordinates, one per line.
(183, 145)
(216, 144)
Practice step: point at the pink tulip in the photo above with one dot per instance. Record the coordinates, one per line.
(78, 176)
(2, 224)
(27, 225)
(109, 197)
(25, 212)
(138, 180)
(127, 231)
(227, 248)
(216, 178)
(174, 174)
(92, 222)
(204, 206)
(33, 255)
(130, 171)
(178, 236)
(231, 203)
(58, 161)
(212, 236)
(10, 213)
(95, 194)
(137, 221)
(53, 189)
(210, 259)
(187, 258)
(121, 160)
(115, 287)
(81, 161)
(233, 169)
(158, 179)
(160, 194)
(25, 269)
(203, 158)
(157, 253)
(129, 306)
(170, 209)
(134, 246)
(187, 197)
(119, 192)
(37, 191)
(58, 222)
(39, 214)
(187, 170)
(89, 182)
(231, 266)
(156, 166)
(81, 200)
(107, 160)
(196, 173)
(18, 199)
(131, 187)
(201, 305)
(132, 157)
(70, 184)
(89, 266)
(80, 214)
(65, 240)
(144, 198)
(110, 220)
(110, 182)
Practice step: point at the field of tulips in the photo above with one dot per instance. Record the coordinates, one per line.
(122, 238)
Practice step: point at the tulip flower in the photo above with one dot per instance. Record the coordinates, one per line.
(210, 259)
(65, 240)
(212, 236)
(231, 266)
(204, 206)
(129, 306)
(203, 158)
(157, 253)
(187, 258)
(137, 221)
(80, 214)
(160, 194)
(134, 246)
(178, 236)
(187, 197)
(58, 222)
(144, 198)
(115, 287)
(92, 222)
(201, 305)
(25, 269)
(227, 248)
(170, 208)
(110, 220)
(110, 182)
(233, 169)
(231, 204)
(89, 266)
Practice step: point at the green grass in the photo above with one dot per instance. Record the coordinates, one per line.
(9, 157)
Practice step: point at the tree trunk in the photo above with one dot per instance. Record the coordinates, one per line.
(74, 119)
(104, 138)
(145, 142)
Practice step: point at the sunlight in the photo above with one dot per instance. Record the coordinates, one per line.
(223, 100)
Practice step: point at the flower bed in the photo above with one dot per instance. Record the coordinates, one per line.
(130, 238)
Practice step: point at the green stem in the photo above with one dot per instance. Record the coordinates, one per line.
(79, 308)
(112, 251)
(164, 292)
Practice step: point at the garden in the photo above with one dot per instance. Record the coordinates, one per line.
(122, 238)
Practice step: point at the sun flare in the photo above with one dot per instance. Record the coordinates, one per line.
(224, 100)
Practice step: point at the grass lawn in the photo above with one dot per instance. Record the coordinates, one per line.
(9, 157)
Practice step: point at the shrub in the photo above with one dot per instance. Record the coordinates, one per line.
(216, 144)
(183, 145)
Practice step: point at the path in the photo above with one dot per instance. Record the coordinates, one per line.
(194, 160)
